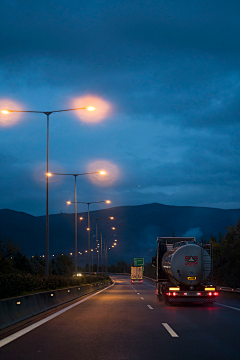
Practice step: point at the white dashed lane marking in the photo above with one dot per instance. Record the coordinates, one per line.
(170, 330)
(149, 306)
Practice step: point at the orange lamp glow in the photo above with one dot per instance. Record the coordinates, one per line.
(108, 201)
(113, 228)
(90, 108)
(111, 218)
(102, 172)
(68, 202)
(5, 112)
(81, 218)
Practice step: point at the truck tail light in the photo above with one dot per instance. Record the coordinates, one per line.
(174, 293)
(215, 293)
(210, 293)
(168, 293)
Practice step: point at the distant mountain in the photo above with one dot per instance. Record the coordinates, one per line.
(137, 228)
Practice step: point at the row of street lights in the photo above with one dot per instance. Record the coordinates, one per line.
(48, 113)
(88, 228)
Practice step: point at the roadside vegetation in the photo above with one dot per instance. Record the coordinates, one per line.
(20, 275)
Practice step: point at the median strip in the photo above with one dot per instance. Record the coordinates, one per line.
(170, 330)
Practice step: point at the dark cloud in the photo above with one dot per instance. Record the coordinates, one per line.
(170, 69)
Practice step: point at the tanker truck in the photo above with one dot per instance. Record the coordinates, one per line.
(184, 271)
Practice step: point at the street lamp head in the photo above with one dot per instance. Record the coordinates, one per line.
(70, 253)
(112, 245)
(85, 251)
(5, 112)
(102, 172)
(91, 249)
(113, 228)
(90, 108)
(108, 201)
(68, 202)
(111, 218)
(48, 174)
(88, 229)
(81, 218)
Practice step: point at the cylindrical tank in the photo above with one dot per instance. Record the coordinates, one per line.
(185, 264)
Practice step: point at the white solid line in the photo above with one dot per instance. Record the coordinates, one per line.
(142, 298)
(230, 307)
(170, 330)
(22, 332)
(149, 306)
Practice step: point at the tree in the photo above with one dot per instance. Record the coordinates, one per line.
(7, 250)
(64, 265)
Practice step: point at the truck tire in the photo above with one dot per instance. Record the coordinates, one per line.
(165, 297)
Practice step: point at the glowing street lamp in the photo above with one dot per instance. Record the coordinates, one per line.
(47, 113)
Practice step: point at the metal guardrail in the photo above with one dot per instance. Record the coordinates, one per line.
(228, 289)
(20, 308)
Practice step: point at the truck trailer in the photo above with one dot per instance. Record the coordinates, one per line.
(184, 271)
(136, 274)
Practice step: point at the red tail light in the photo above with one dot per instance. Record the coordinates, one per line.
(210, 293)
(215, 293)
(168, 293)
(174, 294)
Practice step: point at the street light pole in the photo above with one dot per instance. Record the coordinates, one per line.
(47, 113)
(76, 262)
(106, 269)
(47, 211)
(101, 252)
(89, 257)
(97, 244)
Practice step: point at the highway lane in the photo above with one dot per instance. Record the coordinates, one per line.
(126, 322)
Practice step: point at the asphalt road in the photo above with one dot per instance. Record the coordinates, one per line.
(127, 322)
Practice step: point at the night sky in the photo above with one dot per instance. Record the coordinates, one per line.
(164, 77)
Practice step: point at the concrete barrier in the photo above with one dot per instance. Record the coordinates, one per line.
(20, 308)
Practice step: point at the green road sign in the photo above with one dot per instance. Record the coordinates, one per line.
(138, 261)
